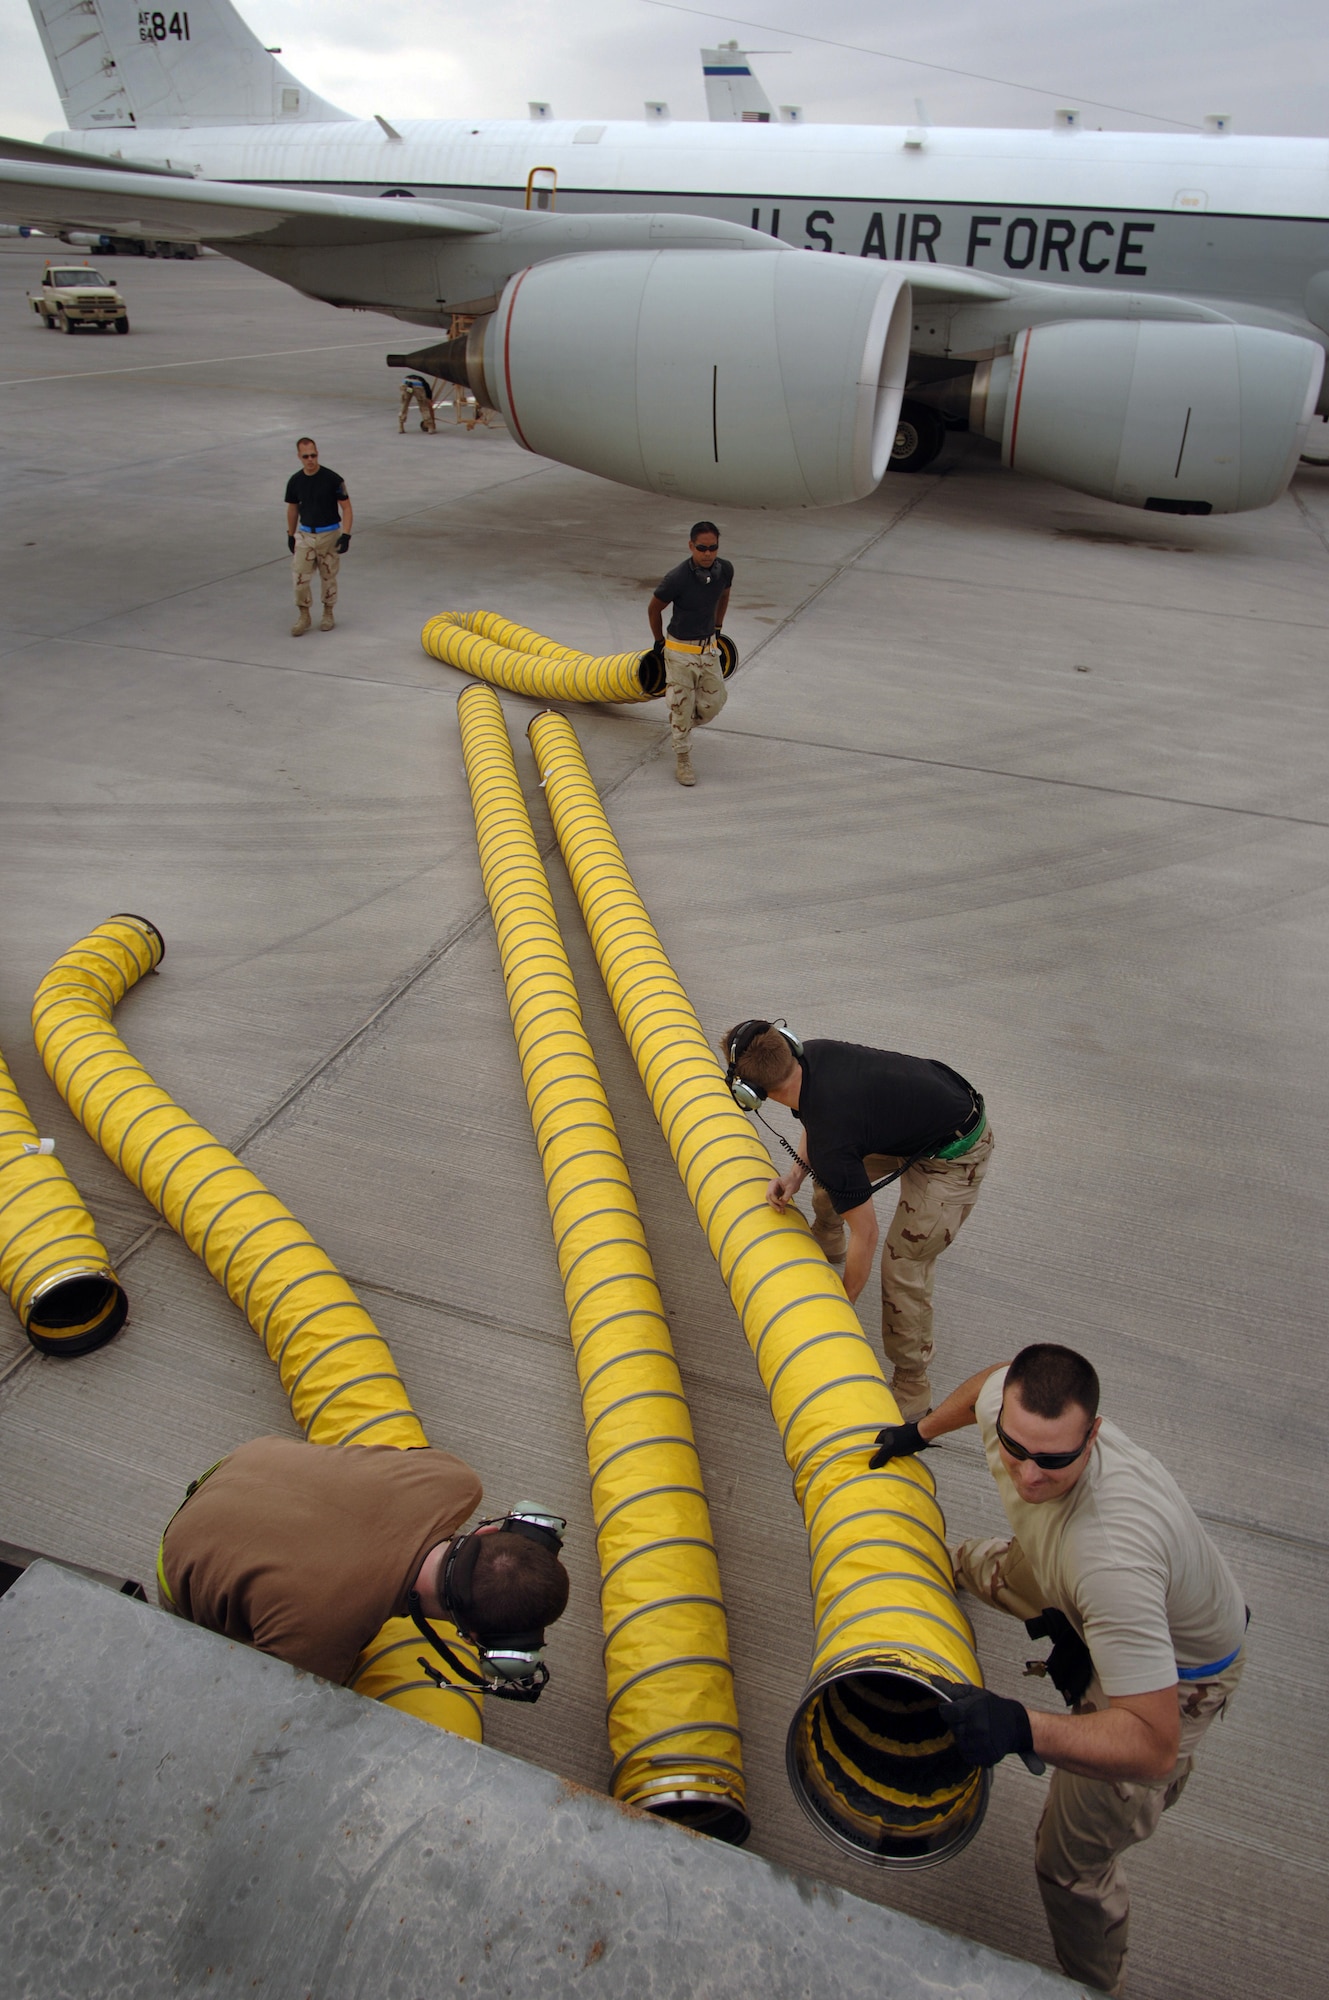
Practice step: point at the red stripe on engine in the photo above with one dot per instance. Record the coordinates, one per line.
(1019, 391)
(507, 356)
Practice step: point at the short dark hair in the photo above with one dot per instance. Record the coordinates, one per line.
(767, 1059)
(1050, 1377)
(703, 528)
(300, 441)
(517, 1585)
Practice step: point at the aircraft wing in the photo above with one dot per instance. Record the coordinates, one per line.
(1016, 302)
(948, 285)
(191, 211)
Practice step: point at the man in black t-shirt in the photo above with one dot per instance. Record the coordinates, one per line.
(698, 589)
(868, 1112)
(318, 532)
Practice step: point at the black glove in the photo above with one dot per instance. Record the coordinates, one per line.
(658, 646)
(988, 1727)
(290, 543)
(1070, 1664)
(896, 1441)
(343, 543)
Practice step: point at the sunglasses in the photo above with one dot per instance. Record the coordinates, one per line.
(1046, 1461)
(309, 454)
(705, 548)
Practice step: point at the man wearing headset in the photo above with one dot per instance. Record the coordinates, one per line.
(1107, 1559)
(870, 1113)
(305, 1551)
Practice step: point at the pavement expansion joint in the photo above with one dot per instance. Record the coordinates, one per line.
(1016, 777)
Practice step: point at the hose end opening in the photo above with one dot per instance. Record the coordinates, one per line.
(702, 1812)
(154, 936)
(875, 1770)
(651, 674)
(76, 1314)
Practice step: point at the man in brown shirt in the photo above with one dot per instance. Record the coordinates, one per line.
(305, 1551)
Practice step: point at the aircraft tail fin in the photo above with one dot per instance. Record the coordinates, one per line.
(733, 94)
(117, 63)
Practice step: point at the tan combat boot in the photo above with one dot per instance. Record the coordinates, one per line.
(301, 624)
(913, 1394)
(326, 622)
(831, 1243)
(683, 770)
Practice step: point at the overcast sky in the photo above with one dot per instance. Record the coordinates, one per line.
(1178, 59)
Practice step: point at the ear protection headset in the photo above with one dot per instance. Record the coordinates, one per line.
(749, 1095)
(514, 1660)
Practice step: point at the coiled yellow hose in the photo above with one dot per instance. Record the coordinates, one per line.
(866, 1753)
(335, 1366)
(673, 1723)
(53, 1264)
(481, 643)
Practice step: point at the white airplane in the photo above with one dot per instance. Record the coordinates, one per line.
(735, 311)
(733, 94)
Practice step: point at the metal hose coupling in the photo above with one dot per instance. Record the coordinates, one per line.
(53, 1265)
(867, 1756)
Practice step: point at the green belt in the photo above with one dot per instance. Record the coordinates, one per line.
(965, 1143)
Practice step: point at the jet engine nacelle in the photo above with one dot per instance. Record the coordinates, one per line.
(1172, 415)
(737, 378)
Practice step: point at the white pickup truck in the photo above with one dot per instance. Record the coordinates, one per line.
(74, 295)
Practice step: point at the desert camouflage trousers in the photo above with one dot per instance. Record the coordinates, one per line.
(694, 690)
(412, 392)
(316, 552)
(936, 1200)
(1089, 1823)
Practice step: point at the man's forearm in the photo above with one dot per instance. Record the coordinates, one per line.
(346, 517)
(862, 1247)
(1109, 1743)
(857, 1267)
(292, 518)
(958, 1408)
(654, 612)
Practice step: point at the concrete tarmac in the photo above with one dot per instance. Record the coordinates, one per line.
(1009, 776)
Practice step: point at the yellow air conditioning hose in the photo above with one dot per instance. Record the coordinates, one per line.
(866, 1753)
(673, 1723)
(335, 1366)
(480, 643)
(509, 656)
(53, 1265)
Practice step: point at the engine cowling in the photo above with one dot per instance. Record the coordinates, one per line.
(1170, 415)
(749, 379)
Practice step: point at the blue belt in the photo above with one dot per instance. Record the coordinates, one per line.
(305, 529)
(1207, 1673)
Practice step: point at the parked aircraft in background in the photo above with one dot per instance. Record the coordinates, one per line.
(733, 94)
(1142, 317)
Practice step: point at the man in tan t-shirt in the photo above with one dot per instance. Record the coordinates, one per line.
(1106, 1558)
(305, 1551)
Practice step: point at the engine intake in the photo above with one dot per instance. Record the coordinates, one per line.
(1175, 416)
(744, 379)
